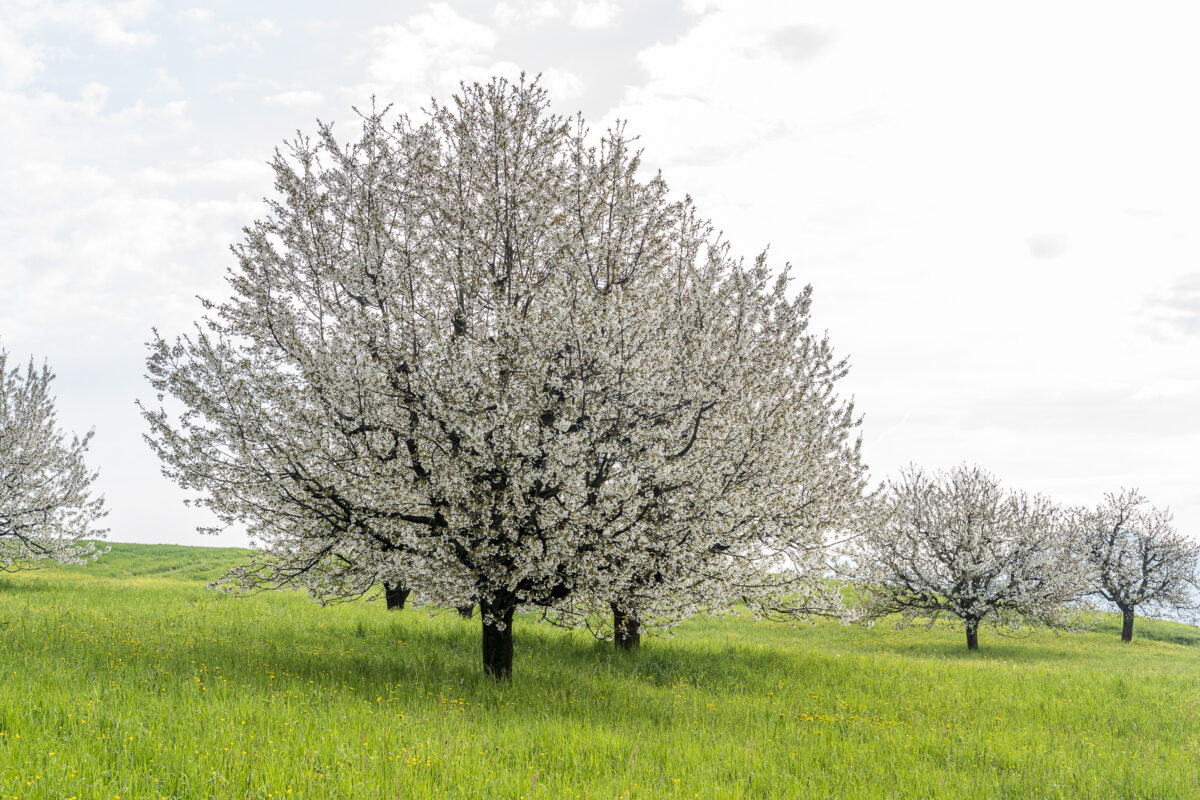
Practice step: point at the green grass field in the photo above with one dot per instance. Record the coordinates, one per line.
(129, 679)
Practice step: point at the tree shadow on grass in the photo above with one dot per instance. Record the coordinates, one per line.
(1187, 636)
(677, 661)
(1153, 630)
(1044, 648)
(11, 586)
(992, 647)
(422, 664)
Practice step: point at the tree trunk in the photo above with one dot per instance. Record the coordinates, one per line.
(497, 643)
(627, 634)
(465, 611)
(396, 594)
(972, 634)
(1127, 624)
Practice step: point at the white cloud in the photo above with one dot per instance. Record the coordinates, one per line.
(595, 13)
(298, 98)
(562, 87)
(164, 81)
(526, 12)
(198, 15)
(728, 82)
(246, 83)
(265, 27)
(214, 49)
(20, 60)
(241, 36)
(22, 56)
(174, 112)
(1175, 312)
(324, 27)
(430, 54)
(94, 96)
(578, 13)
(234, 171)
(108, 24)
(87, 245)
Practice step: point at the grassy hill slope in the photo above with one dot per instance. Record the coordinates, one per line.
(172, 561)
(129, 679)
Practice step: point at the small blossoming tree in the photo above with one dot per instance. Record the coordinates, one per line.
(481, 357)
(46, 504)
(1139, 561)
(957, 543)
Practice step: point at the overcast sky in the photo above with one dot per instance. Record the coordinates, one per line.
(999, 209)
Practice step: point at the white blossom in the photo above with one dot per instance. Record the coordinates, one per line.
(46, 507)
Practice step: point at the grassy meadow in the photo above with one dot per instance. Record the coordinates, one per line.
(129, 679)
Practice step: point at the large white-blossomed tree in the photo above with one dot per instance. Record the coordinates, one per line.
(958, 543)
(480, 356)
(1139, 561)
(46, 501)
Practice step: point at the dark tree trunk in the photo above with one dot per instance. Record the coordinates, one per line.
(627, 634)
(972, 634)
(465, 611)
(396, 594)
(497, 643)
(1127, 624)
